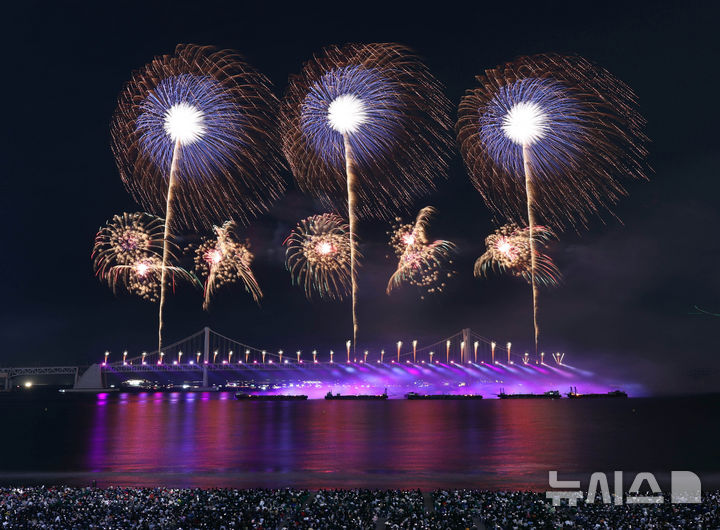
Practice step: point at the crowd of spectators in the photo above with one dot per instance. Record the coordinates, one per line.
(161, 508)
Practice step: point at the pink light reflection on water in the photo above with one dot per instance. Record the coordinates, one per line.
(218, 441)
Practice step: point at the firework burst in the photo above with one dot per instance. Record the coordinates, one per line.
(508, 251)
(207, 117)
(365, 126)
(568, 123)
(194, 137)
(318, 256)
(550, 135)
(377, 106)
(421, 262)
(225, 260)
(127, 253)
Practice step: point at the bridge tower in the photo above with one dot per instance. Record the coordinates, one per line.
(206, 356)
(467, 350)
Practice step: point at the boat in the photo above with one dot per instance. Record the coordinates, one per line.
(356, 397)
(269, 397)
(574, 394)
(441, 397)
(550, 394)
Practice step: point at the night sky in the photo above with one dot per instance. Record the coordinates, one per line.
(630, 286)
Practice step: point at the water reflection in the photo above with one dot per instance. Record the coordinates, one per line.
(213, 440)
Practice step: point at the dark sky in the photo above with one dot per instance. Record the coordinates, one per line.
(629, 290)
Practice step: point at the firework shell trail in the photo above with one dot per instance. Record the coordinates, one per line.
(366, 129)
(383, 100)
(225, 260)
(196, 140)
(579, 125)
(223, 115)
(508, 252)
(550, 136)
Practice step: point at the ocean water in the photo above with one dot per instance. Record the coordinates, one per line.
(213, 440)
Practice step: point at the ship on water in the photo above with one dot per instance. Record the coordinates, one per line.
(352, 397)
(550, 394)
(574, 394)
(269, 397)
(442, 397)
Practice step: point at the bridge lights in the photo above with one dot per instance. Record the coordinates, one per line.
(198, 357)
(263, 356)
(382, 356)
(298, 356)
(107, 354)
(414, 351)
(160, 360)
(508, 349)
(230, 356)
(179, 357)
(431, 356)
(347, 346)
(447, 351)
(280, 353)
(143, 357)
(215, 354)
(365, 354)
(399, 345)
(331, 356)
(124, 358)
(314, 356)
(492, 352)
(462, 350)
(526, 358)
(542, 357)
(247, 355)
(476, 347)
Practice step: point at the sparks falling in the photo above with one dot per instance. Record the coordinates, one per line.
(550, 136)
(421, 262)
(366, 127)
(195, 141)
(508, 251)
(318, 256)
(127, 254)
(224, 260)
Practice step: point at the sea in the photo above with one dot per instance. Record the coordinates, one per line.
(210, 439)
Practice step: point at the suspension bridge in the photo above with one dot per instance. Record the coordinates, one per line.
(208, 351)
